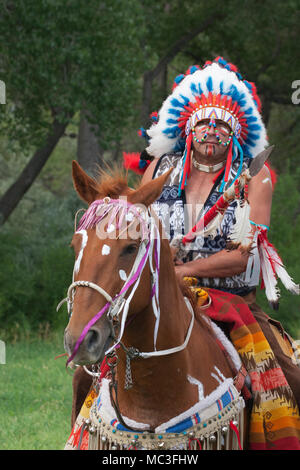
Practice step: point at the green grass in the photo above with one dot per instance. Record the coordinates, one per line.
(35, 396)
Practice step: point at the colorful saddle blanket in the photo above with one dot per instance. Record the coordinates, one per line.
(274, 420)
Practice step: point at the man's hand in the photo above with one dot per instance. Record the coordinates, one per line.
(181, 271)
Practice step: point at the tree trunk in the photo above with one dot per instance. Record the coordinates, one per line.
(89, 152)
(16, 191)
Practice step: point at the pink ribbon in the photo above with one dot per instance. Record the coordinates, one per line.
(103, 310)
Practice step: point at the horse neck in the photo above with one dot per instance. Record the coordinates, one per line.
(161, 389)
(174, 314)
(152, 376)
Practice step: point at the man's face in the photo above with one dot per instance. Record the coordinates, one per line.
(210, 146)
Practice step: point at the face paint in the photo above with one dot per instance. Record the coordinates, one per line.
(83, 244)
(199, 384)
(129, 217)
(210, 150)
(110, 228)
(105, 250)
(266, 180)
(123, 275)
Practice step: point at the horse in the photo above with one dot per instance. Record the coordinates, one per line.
(170, 385)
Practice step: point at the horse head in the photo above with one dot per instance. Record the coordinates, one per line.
(110, 245)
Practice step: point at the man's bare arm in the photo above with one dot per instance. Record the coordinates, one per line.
(147, 176)
(222, 264)
(260, 197)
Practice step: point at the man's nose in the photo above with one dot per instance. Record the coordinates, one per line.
(211, 130)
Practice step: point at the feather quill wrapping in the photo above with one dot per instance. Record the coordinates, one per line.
(271, 267)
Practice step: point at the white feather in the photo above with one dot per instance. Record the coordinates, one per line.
(287, 281)
(281, 272)
(268, 275)
(269, 278)
(241, 232)
(214, 227)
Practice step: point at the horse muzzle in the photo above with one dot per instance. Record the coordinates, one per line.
(92, 348)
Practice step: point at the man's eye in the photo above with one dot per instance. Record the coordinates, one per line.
(224, 129)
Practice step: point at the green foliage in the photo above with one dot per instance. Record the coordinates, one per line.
(58, 57)
(284, 126)
(36, 260)
(36, 268)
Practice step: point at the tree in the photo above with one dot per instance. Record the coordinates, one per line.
(89, 152)
(58, 57)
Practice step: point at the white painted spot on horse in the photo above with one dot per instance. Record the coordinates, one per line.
(105, 250)
(110, 228)
(199, 384)
(123, 275)
(84, 235)
(129, 217)
(220, 378)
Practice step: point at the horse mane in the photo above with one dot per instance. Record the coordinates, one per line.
(112, 182)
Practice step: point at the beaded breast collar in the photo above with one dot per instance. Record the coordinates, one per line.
(215, 422)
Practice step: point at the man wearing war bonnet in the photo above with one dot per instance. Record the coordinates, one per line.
(210, 130)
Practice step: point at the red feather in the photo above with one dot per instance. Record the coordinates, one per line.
(131, 162)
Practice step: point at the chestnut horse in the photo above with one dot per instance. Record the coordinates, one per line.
(169, 364)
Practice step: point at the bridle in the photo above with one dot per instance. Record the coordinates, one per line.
(149, 250)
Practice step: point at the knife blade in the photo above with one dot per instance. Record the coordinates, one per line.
(258, 162)
(222, 203)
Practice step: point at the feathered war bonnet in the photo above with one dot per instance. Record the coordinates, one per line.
(215, 91)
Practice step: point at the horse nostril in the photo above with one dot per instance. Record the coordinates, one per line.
(92, 340)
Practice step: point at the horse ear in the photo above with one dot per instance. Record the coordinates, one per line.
(83, 183)
(149, 192)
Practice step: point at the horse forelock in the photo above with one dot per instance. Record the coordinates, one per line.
(111, 183)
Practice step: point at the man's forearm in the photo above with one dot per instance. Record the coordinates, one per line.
(222, 264)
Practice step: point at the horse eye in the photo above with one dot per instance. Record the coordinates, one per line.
(129, 250)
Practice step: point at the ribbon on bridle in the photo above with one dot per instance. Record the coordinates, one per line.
(149, 249)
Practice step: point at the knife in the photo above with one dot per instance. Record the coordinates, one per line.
(229, 195)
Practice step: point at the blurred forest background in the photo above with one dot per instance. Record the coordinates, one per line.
(81, 79)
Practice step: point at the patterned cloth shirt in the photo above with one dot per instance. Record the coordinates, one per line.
(176, 219)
